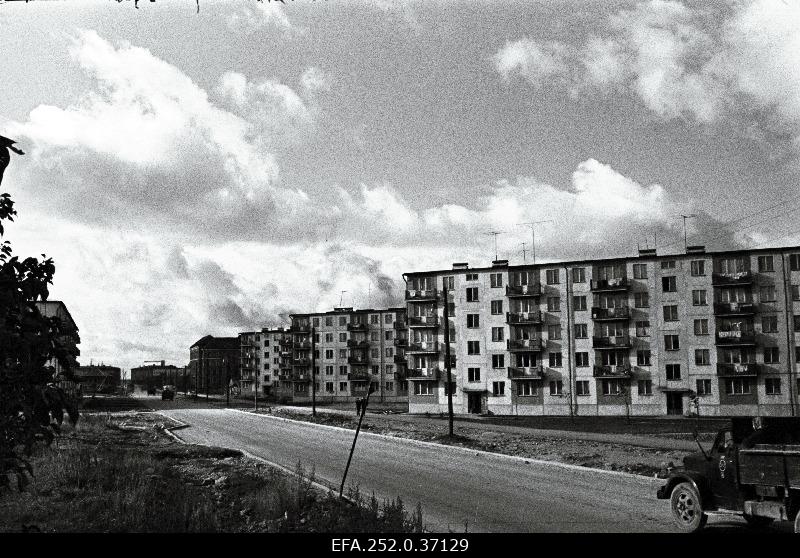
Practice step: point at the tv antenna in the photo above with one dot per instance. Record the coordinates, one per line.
(685, 245)
(495, 233)
(524, 251)
(341, 296)
(532, 225)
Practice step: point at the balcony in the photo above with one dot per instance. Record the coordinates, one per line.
(400, 342)
(357, 360)
(358, 344)
(301, 328)
(285, 365)
(524, 290)
(301, 362)
(421, 295)
(740, 278)
(358, 376)
(611, 371)
(400, 325)
(735, 338)
(423, 321)
(524, 344)
(526, 372)
(301, 377)
(621, 313)
(617, 342)
(400, 359)
(532, 317)
(423, 374)
(357, 326)
(734, 308)
(302, 345)
(423, 347)
(615, 284)
(284, 377)
(737, 369)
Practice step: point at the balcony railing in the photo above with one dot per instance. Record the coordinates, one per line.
(735, 338)
(526, 372)
(357, 326)
(534, 344)
(422, 294)
(615, 284)
(423, 347)
(617, 342)
(734, 308)
(532, 317)
(524, 290)
(302, 345)
(301, 377)
(400, 325)
(739, 278)
(358, 375)
(400, 359)
(620, 313)
(301, 362)
(301, 328)
(423, 321)
(401, 341)
(358, 343)
(357, 360)
(423, 374)
(612, 371)
(737, 369)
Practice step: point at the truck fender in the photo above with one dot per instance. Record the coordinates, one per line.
(699, 482)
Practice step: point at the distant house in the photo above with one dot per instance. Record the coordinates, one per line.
(98, 378)
(214, 363)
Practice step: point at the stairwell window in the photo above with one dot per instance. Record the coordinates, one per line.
(473, 347)
(473, 320)
(771, 355)
(672, 343)
(497, 334)
(498, 388)
(579, 302)
(579, 275)
(554, 331)
(765, 264)
(641, 300)
(496, 280)
(702, 357)
(551, 276)
(703, 387)
(554, 304)
(640, 271)
(582, 387)
(472, 294)
(643, 357)
(698, 268)
(769, 324)
(668, 264)
(497, 307)
(581, 331)
(581, 360)
(498, 361)
(673, 371)
(554, 360)
(671, 313)
(473, 374)
(699, 298)
(643, 328)
(669, 284)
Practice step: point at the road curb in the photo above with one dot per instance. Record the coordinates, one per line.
(458, 449)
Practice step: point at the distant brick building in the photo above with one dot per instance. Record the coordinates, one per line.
(213, 362)
(159, 375)
(98, 378)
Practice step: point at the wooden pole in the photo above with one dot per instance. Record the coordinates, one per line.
(355, 438)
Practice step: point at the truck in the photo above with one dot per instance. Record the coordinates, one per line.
(752, 470)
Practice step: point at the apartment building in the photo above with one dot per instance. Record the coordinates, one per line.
(260, 359)
(214, 363)
(349, 350)
(708, 333)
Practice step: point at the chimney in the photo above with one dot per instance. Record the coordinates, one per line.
(646, 252)
(500, 263)
(460, 265)
(697, 249)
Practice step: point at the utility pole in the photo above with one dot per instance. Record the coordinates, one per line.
(447, 362)
(313, 372)
(685, 244)
(355, 438)
(532, 226)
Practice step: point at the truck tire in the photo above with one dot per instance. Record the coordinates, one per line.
(797, 523)
(757, 521)
(687, 509)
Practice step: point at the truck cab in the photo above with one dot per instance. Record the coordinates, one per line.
(752, 470)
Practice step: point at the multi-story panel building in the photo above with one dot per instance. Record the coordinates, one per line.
(348, 350)
(713, 333)
(214, 363)
(260, 359)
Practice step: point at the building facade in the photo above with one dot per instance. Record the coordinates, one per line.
(98, 378)
(69, 338)
(214, 364)
(349, 351)
(260, 359)
(708, 333)
(159, 375)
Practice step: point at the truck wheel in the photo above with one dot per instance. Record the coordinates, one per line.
(797, 523)
(757, 521)
(687, 511)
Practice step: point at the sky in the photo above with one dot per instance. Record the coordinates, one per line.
(211, 173)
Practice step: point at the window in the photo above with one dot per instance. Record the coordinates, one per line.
(342, 321)
(669, 284)
(643, 328)
(581, 331)
(387, 335)
(473, 347)
(769, 324)
(701, 327)
(579, 302)
(698, 267)
(765, 264)
(772, 386)
(472, 294)
(388, 318)
(795, 292)
(796, 323)
(342, 337)
(671, 313)
(699, 298)
(737, 386)
(389, 352)
(342, 386)
(496, 280)
(473, 374)
(527, 389)
(702, 357)
(554, 331)
(498, 361)
(375, 335)
(703, 387)
(376, 369)
(771, 355)
(556, 387)
(673, 371)
(472, 276)
(329, 337)
(389, 386)
(643, 357)
(578, 274)
(423, 388)
(612, 387)
(640, 271)
(473, 320)
(672, 343)
(645, 387)
(498, 388)
(581, 359)
(315, 322)
(328, 354)
(641, 300)
(551, 276)
(794, 262)
(374, 318)
(329, 321)
(375, 353)
(390, 369)
(582, 387)
(766, 293)
(328, 387)
(553, 303)
(343, 370)
(555, 360)
(342, 353)
(668, 264)
(497, 307)
(497, 334)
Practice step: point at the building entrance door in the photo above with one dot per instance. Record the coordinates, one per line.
(474, 403)
(674, 403)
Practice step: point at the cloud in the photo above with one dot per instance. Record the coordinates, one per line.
(257, 15)
(532, 60)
